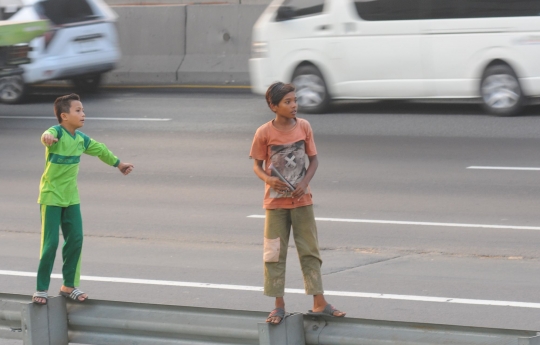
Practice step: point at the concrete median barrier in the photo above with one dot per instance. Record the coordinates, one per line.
(161, 2)
(152, 40)
(184, 44)
(218, 44)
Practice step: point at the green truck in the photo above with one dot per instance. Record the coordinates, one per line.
(14, 39)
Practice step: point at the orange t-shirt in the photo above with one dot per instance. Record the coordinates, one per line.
(288, 152)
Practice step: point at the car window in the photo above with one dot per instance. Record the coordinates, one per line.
(441, 9)
(305, 7)
(65, 11)
(377, 10)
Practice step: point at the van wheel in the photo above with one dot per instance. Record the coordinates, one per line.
(311, 90)
(89, 83)
(12, 89)
(501, 92)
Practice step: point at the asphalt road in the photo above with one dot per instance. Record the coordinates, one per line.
(182, 215)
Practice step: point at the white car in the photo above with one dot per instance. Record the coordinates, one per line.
(400, 49)
(82, 45)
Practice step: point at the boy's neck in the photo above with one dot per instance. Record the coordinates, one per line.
(282, 122)
(68, 128)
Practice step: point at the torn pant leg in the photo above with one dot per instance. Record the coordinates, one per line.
(277, 228)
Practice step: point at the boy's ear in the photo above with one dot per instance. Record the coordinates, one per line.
(64, 116)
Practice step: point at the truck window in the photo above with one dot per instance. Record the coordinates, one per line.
(443, 9)
(377, 10)
(305, 7)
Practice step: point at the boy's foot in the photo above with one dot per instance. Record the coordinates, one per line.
(276, 316)
(327, 310)
(73, 293)
(40, 297)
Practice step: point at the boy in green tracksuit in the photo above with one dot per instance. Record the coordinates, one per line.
(59, 196)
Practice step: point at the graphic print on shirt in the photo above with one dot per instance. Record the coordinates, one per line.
(290, 161)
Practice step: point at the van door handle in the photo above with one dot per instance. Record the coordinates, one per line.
(323, 27)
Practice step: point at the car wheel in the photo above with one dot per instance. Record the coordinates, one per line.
(501, 92)
(311, 90)
(12, 89)
(87, 83)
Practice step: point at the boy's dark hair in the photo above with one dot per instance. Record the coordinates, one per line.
(277, 91)
(63, 103)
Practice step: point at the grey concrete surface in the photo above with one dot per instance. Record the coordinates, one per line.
(153, 52)
(182, 214)
(176, 2)
(184, 44)
(218, 44)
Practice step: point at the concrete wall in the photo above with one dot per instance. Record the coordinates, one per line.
(152, 40)
(184, 44)
(218, 44)
(186, 2)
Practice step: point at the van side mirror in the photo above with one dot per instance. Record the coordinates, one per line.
(285, 13)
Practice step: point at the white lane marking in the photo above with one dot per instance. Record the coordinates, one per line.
(88, 118)
(399, 222)
(295, 291)
(503, 168)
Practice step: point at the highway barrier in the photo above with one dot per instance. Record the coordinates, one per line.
(184, 44)
(161, 2)
(107, 322)
(152, 41)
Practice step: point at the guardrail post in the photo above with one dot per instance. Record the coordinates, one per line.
(529, 341)
(45, 324)
(289, 332)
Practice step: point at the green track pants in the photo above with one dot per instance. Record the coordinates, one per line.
(69, 219)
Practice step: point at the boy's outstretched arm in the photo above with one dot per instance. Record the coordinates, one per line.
(125, 168)
(48, 139)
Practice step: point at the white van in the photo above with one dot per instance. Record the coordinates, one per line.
(82, 45)
(400, 49)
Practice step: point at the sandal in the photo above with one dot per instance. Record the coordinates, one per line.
(40, 294)
(73, 295)
(329, 310)
(278, 312)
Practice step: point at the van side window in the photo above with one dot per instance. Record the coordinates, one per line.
(388, 9)
(444, 9)
(305, 7)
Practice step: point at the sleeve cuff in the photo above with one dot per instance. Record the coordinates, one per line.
(117, 163)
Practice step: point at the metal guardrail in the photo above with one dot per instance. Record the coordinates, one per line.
(123, 323)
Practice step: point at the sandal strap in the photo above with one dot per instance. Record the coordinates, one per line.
(76, 293)
(279, 312)
(40, 294)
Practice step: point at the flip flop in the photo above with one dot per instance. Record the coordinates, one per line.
(329, 310)
(40, 294)
(73, 295)
(279, 312)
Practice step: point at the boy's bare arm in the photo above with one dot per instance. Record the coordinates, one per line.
(302, 187)
(274, 182)
(125, 168)
(48, 139)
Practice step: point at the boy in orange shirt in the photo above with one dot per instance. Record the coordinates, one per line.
(285, 145)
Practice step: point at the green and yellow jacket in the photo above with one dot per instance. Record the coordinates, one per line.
(58, 185)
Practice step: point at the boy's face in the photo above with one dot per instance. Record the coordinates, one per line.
(75, 118)
(287, 107)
